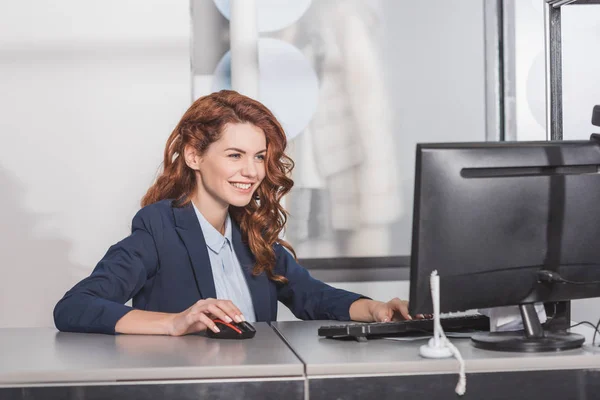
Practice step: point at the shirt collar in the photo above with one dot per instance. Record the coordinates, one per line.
(213, 238)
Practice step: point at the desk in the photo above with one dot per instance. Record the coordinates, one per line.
(46, 364)
(386, 369)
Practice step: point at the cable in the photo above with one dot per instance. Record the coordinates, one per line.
(545, 275)
(595, 327)
(583, 322)
(461, 386)
(439, 346)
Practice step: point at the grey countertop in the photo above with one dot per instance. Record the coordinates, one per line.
(44, 355)
(382, 356)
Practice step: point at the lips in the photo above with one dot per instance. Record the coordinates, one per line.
(241, 185)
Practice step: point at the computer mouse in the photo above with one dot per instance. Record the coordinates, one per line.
(231, 330)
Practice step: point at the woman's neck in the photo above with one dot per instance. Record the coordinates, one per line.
(215, 214)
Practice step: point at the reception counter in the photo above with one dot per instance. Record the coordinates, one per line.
(45, 363)
(389, 369)
(284, 361)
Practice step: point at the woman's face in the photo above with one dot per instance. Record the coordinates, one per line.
(233, 167)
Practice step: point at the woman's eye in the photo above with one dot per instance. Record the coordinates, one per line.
(261, 157)
(235, 155)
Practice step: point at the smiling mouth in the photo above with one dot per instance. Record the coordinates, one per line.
(242, 186)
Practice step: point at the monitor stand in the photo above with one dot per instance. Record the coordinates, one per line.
(532, 339)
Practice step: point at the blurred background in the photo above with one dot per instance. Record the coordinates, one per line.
(90, 91)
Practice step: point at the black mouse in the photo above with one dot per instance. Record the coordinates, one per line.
(232, 330)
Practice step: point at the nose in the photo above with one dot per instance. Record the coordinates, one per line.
(250, 170)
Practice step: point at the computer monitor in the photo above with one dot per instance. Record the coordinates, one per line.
(507, 223)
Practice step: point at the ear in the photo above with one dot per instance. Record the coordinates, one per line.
(192, 159)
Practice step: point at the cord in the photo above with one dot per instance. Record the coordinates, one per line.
(545, 275)
(461, 386)
(595, 327)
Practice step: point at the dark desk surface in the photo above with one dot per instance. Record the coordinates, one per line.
(44, 355)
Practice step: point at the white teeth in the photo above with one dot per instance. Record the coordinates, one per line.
(242, 185)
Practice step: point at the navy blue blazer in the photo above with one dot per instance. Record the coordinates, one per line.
(164, 266)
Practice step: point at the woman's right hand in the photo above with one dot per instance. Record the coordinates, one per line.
(200, 315)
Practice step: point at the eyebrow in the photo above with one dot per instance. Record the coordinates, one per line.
(242, 151)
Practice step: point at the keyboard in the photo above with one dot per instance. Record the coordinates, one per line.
(364, 331)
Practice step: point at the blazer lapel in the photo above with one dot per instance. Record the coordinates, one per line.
(258, 285)
(188, 228)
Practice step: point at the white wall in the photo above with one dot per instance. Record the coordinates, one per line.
(435, 65)
(90, 90)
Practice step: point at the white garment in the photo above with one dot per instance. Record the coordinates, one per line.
(509, 318)
(353, 142)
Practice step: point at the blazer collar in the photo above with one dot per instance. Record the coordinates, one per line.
(188, 228)
(190, 232)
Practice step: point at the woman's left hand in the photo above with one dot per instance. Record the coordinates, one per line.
(393, 310)
(367, 310)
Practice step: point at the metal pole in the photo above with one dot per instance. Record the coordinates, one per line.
(552, 48)
(494, 66)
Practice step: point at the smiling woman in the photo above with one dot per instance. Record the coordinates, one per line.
(228, 175)
(225, 139)
(206, 245)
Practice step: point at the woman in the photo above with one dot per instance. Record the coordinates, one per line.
(206, 243)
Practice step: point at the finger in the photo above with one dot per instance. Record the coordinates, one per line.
(201, 305)
(230, 309)
(197, 327)
(424, 316)
(196, 321)
(203, 318)
(204, 302)
(217, 312)
(226, 306)
(401, 306)
(385, 315)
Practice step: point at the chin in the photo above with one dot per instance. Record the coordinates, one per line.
(238, 202)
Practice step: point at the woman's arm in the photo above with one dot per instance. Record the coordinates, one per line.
(196, 318)
(361, 310)
(145, 323)
(97, 302)
(367, 310)
(307, 297)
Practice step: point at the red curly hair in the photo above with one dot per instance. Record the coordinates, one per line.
(263, 219)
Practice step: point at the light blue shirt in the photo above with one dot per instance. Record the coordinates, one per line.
(230, 282)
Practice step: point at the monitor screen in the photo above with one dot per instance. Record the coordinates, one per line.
(505, 223)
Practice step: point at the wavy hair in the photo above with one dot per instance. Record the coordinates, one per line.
(263, 219)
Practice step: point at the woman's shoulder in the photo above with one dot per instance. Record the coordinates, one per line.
(155, 214)
(160, 207)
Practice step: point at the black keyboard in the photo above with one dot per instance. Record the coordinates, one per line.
(363, 331)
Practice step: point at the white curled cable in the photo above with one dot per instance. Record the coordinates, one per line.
(440, 346)
(461, 386)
